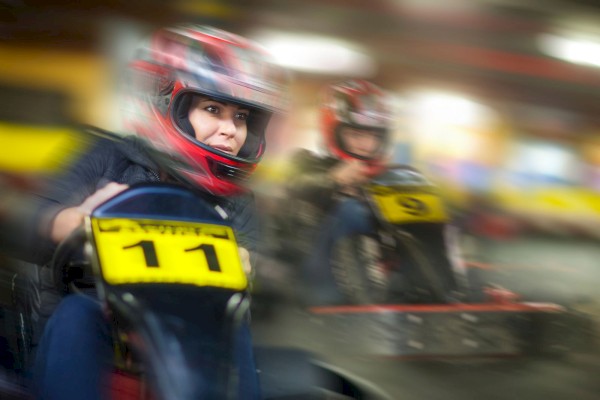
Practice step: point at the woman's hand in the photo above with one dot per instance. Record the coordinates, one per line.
(349, 173)
(69, 219)
(245, 258)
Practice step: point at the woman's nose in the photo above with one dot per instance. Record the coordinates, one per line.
(228, 127)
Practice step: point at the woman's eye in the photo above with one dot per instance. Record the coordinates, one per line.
(242, 116)
(212, 109)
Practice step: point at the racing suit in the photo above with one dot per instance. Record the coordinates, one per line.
(75, 349)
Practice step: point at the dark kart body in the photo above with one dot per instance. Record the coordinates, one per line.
(410, 294)
(158, 319)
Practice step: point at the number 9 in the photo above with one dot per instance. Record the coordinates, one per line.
(413, 206)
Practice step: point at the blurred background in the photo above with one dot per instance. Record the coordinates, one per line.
(496, 98)
(497, 101)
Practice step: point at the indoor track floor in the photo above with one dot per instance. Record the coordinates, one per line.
(562, 270)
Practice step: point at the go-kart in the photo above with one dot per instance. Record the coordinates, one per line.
(408, 292)
(165, 264)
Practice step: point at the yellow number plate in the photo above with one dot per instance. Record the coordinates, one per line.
(150, 251)
(410, 207)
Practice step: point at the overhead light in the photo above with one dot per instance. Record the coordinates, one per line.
(317, 54)
(586, 52)
(447, 108)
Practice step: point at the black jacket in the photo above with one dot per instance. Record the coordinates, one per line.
(114, 159)
(108, 158)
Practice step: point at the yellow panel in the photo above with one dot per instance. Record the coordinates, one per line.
(150, 251)
(398, 207)
(83, 76)
(34, 149)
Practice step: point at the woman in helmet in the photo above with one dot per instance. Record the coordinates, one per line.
(356, 123)
(203, 98)
(179, 66)
(355, 131)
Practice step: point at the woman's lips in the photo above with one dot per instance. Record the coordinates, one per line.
(223, 148)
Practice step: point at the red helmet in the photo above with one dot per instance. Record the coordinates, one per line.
(357, 104)
(180, 62)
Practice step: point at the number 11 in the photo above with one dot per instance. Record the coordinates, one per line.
(151, 258)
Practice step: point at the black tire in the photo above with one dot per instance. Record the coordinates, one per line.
(357, 268)
(20, 283)
(409, 271)
(356, 265)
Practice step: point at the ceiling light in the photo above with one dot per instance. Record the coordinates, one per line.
(317, 54)
(447, 108)
(585, 52)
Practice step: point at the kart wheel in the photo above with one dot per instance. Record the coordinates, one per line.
(359, 271)
(17, 314)
(368, 272)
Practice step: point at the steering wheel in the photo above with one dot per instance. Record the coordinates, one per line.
(68, 263)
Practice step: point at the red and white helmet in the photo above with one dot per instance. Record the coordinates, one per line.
(179, 62)
(357, 104)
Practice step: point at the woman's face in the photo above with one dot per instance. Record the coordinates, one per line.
(362, 142)
(218, 124)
